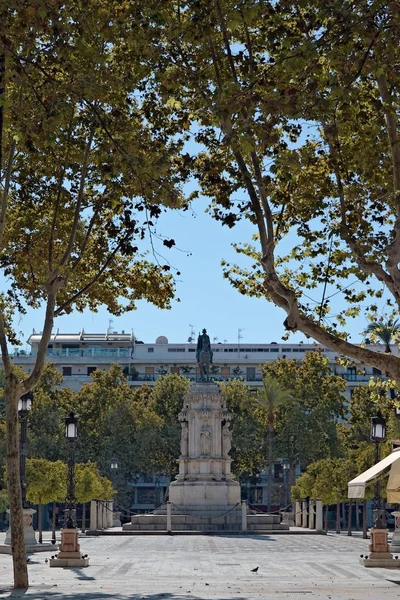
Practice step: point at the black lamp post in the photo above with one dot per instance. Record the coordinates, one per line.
(24, 406)
(378, 435)
(114, 470)
(286, 468)
(71, 435)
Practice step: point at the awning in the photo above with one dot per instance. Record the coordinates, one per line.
(356, 487)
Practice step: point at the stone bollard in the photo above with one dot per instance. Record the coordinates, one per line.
(244, 515)
(297, 514)
(319, 520)
(169, 517)
(93, 515)
(304, 516)
(311, 515)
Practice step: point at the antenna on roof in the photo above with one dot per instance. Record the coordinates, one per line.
(240, 337)
(215, 339)
(192, 335)
(110, 324)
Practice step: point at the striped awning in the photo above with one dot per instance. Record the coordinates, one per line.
(356, 487)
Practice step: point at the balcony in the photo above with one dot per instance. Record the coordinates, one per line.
(360, 377)
(90, 352)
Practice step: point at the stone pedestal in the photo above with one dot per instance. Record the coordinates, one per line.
(69, 555)
(30, 539)
(205, 477)
(380, 555)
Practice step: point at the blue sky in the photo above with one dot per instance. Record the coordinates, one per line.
(207, 299)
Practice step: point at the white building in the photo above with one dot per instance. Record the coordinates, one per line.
(77, 355)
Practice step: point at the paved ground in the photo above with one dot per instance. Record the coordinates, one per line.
(210, 568)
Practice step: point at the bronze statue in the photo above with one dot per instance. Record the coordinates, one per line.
(204, 355)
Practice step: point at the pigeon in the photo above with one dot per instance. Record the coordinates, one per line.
(46, 560)
(254, 570)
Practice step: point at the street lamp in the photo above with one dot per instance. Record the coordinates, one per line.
(69, 555)
(114, 470)
(24, 406)
(286, 469)
(378, 435)
(71, 435)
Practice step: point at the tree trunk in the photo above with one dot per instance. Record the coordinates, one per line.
(83, 517)
(326, 517)
(40, 523)
(20, 568)
(365, 524)
(338, 517)
(349, 518)
(53, 529)
(270, 461)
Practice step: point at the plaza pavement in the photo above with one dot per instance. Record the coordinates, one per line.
(210, 567)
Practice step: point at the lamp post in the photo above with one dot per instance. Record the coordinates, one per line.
(24, 406)
(71, 435)
(286, 468)
(114, 470)
(378, 435)
(69, 555)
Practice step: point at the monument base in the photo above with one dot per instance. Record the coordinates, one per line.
(205, 519)
(204, 493)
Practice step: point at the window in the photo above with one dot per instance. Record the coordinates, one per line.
(351, 374)
(274, 350)
(176, 349)
(91, 369)
(66, 371)
(192, 350)
(250, 373)
(150, 349)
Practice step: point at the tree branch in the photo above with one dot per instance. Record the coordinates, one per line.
(6, 189)
(91, 283)
(4, 348)
(78, 207)
(34, 377)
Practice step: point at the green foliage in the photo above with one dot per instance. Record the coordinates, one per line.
(89, 484)
(248, 434)
(46, 480)
(295, 115)
(311, 412)
(168, 395)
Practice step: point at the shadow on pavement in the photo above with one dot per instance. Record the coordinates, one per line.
(78, 595)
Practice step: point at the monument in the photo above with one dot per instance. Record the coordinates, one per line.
(205, 496)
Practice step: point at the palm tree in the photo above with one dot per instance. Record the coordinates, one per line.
(385, 331)
(271, 397)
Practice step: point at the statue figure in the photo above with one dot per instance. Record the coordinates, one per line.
(204, 355)
(226, 440)
(184, 439)
(205, 441)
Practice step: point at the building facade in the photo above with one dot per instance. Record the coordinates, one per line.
(77, 355)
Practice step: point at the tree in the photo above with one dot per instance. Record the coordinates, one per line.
(317, 403)
(297, 109)
(271, 397)
(384, 331)
(46, 482)
(168, 396)
(84, 176)
(248, 433)
(88, 486)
